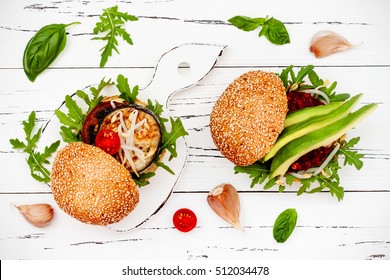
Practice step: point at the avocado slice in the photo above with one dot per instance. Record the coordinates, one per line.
(310, 112)
(318, 138)
(297, 130)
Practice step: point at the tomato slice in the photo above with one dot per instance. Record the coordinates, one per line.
(108, 140)
(184, 220)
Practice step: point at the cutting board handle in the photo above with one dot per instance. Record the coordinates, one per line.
(180, 68)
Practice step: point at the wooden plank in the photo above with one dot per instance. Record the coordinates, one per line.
(160, 23)
(357, 228)
(193, 106)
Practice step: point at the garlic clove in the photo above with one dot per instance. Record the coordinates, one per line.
(39, 215)
(225, 202)
(325, 43)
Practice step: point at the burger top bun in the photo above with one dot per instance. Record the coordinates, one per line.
(91, 186)
(249, 116)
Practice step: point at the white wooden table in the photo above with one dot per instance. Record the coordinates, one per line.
(356, 228)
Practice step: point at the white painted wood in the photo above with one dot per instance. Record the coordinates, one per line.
(356, 228)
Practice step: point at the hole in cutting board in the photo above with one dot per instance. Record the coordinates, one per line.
(183, 68)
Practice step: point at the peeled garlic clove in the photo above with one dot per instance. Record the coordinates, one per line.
(327, 42)
(224, 200)
(39, 215)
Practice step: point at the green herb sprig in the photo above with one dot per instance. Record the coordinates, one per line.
(74, 118)
(43, 48)
(284, 225)
(36, 161)
(272, 29)
(111, 21)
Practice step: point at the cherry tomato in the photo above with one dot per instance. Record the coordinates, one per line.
(184, 220)
(108, 141)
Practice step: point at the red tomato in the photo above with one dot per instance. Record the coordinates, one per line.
(108, 141)
(184, 220)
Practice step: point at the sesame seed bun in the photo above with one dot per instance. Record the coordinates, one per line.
(91, 186)
(249, 116)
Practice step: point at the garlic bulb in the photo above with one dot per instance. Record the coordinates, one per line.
(224, 200)
(327, 42)
(39, 215)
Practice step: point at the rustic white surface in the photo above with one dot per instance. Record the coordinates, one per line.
(356, 228)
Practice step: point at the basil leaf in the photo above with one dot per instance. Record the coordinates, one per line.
(246, 23)
(276, 32)
(285, 224)
(43, 48)
(273, 29)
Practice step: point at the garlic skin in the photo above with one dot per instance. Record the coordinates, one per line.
(39, 215)
(224, 200)
(326, 42)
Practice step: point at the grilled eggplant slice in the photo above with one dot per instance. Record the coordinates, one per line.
(140, 134)
(94, 119)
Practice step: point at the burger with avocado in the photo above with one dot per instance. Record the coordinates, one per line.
(280, 129)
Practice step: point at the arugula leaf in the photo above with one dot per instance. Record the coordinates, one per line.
(257, 171)
(156, 108)
(169, 138)
(74, 118)
(284, 75)
(143, 178)
(111, 21)
(96, 97)
(164, 166)
(284, 225)
(352, 157)
(129, 95)
(272, 29)
(35, 160)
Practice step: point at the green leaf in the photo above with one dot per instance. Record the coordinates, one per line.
(315, 79)
(246, 23)
(164, 166)
(257, 171)
(284, 225)
(74, 110)
(43, 48)
(334, 187)
(67, 120)
(276, 32)
(143, 178)
(303, 72)
(128, 94)
(68, 135)
(284, 75)
(96, 94)
(156, 108)
(352, 158)
(111, 21)
(273, 29)
(169, 138)
(74, 118)
(35, 160)
(17, 144)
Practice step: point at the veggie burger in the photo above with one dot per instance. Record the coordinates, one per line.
(115, 148)
(280, 129)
